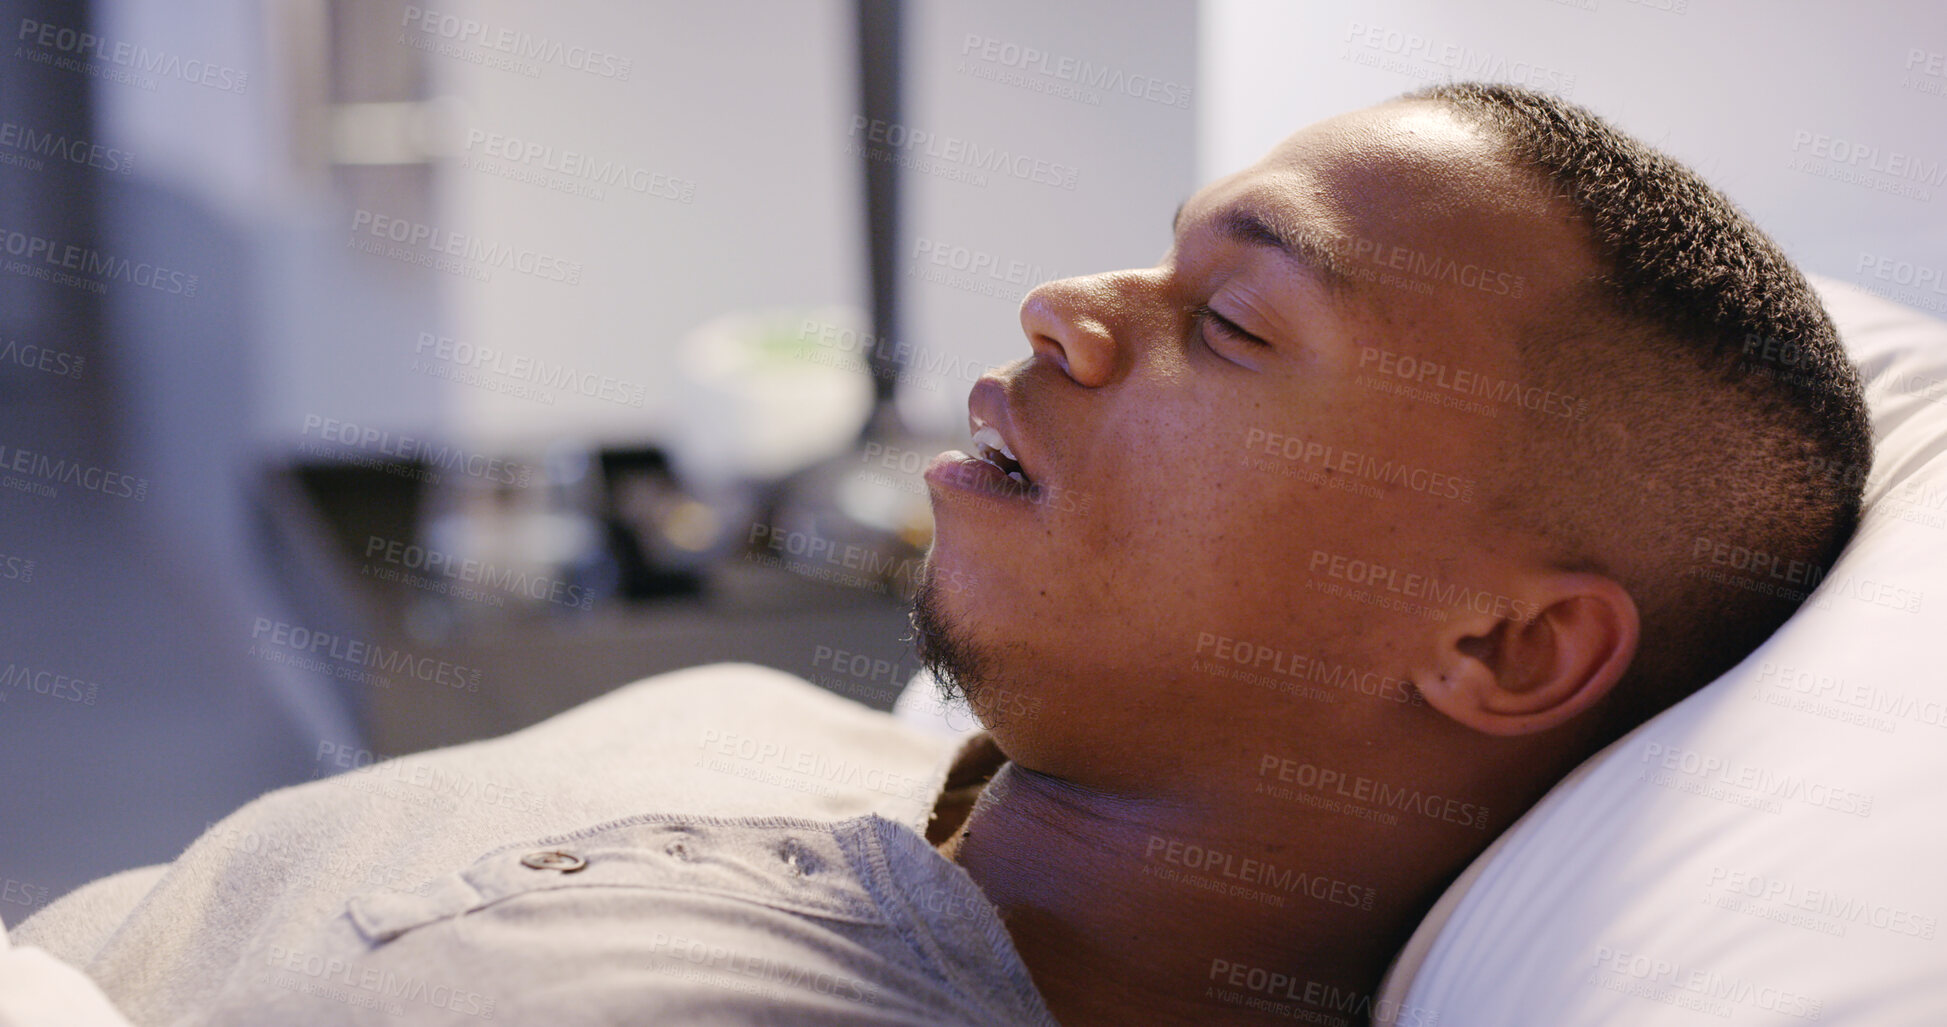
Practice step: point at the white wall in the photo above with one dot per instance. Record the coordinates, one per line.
(730, 123)
(1742, 90)
(744, 107)
(1105, 103)
(739, 108)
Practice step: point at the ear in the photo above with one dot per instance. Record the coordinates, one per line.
(1570, 641)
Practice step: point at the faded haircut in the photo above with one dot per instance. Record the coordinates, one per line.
(1718, 467)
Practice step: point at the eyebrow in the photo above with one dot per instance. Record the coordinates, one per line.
(1304, 248)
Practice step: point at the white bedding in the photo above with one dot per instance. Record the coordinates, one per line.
(1769, 850)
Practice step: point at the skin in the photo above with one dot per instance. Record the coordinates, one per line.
(1173, 526)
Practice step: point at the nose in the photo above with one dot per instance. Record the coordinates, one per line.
(1075, 322)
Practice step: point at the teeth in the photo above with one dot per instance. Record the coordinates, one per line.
(987, 436)
(993, 449)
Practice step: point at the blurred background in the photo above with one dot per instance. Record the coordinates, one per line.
(378, 376)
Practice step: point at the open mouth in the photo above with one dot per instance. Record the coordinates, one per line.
(992, 448)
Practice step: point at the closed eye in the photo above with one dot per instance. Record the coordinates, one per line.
(1210, 320)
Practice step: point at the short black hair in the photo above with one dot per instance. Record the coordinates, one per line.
(1719, 401)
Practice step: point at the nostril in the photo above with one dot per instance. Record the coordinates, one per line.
(1049, 348)
(1080, 323)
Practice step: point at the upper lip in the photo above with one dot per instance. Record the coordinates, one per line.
(987, 406)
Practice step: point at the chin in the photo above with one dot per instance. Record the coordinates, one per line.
(941, 635)
(955, 635)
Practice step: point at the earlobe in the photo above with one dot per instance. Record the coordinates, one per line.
(1501, 676)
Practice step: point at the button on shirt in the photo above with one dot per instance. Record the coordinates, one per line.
(725, 845)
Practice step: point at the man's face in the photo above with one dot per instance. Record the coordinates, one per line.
(1250, 477)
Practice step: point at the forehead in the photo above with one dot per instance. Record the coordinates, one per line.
(1419, 207)
(1418, 147)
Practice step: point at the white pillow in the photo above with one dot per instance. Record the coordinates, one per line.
(38, 990)
(1774, 848)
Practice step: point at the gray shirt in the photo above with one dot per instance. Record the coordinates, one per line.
(723, 845)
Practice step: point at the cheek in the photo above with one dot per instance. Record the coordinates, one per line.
(1202, 522)
(1231, 524)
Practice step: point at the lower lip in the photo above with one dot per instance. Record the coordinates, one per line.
(954, 471)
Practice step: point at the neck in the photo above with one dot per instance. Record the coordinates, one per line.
(1200, 913)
